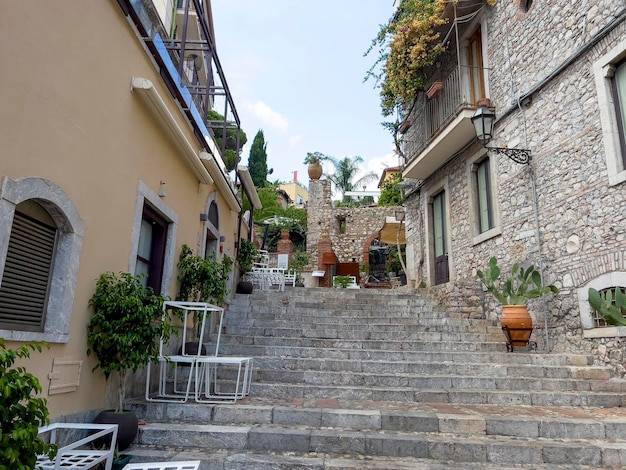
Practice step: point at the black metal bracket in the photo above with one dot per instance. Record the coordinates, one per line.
(521, 156)
(509, 342)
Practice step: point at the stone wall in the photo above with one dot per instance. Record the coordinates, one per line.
(560, 212)
(350, 230)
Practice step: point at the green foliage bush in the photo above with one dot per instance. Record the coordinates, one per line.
(202, 280)
(21, 412)
(126, 326)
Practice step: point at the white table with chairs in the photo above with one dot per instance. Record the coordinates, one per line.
(203, 368)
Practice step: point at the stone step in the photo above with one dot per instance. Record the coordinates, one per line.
(370, 332)
(260, 327)
(449, 394)
(295, 320)
(474, 357)
(420, 367)
(593, 448)
(233, 460)
(538, 421)
(419, 382)
(396, 344)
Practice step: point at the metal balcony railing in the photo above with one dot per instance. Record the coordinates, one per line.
(431, 115)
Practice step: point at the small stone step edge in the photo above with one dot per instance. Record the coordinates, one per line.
(521, 425)
(222, 460)
(472, 448)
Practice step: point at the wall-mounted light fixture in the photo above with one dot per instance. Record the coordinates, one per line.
(204, 217)
(483, 121)
(400, 216)
(162, 192)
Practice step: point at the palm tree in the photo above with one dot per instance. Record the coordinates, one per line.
(346, 170)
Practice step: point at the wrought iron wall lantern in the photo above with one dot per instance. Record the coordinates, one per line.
(483, 121)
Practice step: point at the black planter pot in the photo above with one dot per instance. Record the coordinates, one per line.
(127, 423)
(121, 462)
(191, 349)
(244, 287)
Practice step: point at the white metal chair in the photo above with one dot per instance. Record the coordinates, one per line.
(78, 454)
(180, 465)
(171, 363)
(207, 372)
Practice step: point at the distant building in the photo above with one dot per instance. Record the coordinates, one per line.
(297, 193)
(389, 174)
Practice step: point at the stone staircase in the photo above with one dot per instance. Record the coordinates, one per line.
(384, 379)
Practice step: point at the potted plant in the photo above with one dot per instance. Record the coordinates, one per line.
(245, 260)
(299, 261)
(342, 282)
(22, 412)
(201, 280)
(314, 159)
(513, 291)
(123, 334)
(364, 270)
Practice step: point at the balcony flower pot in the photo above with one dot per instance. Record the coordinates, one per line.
(434, 90)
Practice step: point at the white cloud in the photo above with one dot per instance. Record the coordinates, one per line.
(269, 118)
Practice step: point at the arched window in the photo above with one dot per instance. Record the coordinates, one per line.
(40, 243)
(212, 229)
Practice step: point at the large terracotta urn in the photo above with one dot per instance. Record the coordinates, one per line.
(517, 325)
(315, 171)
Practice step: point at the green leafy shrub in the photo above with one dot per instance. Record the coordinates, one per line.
(202, 280)
(21, 412)
(126, 326)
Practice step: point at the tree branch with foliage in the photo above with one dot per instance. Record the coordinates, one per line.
(344, 177)
(21, 412)
(257, 161)
(406, 45)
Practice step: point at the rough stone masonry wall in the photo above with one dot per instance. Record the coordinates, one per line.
(362, 224)
(581, 228)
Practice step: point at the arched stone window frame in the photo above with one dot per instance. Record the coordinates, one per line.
(604, 281)
(67, 258)
(209, 225)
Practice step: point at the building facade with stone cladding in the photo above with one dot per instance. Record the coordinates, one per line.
(549, 72)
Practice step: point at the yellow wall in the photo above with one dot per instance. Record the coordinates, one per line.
(68, 116)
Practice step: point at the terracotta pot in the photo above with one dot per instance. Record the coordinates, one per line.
(518, 323)
(315, 171)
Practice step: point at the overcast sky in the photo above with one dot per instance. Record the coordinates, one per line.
(295, 70)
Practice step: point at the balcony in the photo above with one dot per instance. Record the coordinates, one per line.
(441, 127)
(189, 65)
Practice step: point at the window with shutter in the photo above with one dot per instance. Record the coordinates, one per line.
(27, 273)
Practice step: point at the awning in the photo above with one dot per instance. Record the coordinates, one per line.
(389, 233)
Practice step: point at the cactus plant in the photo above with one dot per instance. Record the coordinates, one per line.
(611, 304)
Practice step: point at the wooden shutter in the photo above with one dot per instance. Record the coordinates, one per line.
(27, 273)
